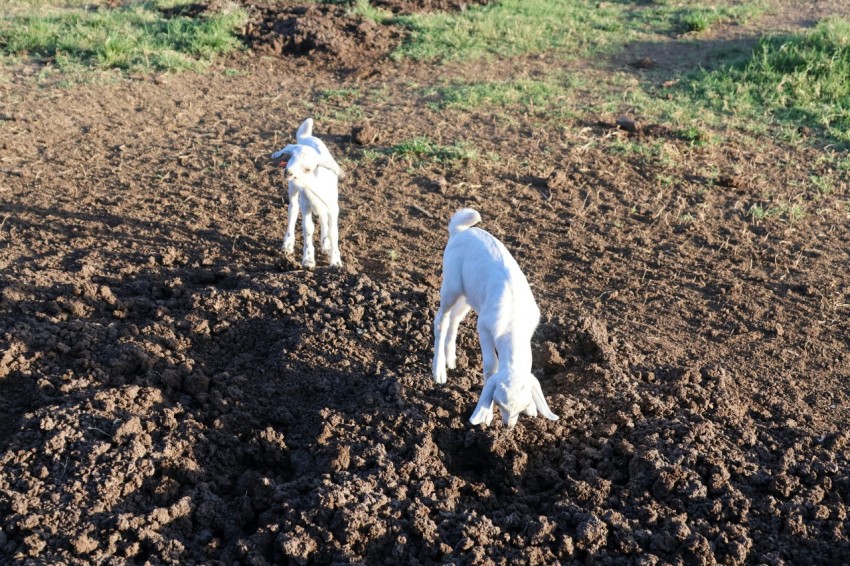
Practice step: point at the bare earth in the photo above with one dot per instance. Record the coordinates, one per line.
(174, 390)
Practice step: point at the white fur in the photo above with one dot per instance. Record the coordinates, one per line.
(313, 178)
(479, 273)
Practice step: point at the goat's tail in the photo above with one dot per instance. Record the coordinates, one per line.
(463, 219)
(304, 130)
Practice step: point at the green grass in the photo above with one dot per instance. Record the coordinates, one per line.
(523, 92)
(338, 94)
(572, 28)
(423, 149)
(701, 19)
(364, 9)
(823, 184)
(689, 16)
(786, 82)
(137, 37)
(792, 212)
(798, 79)
(513, 27)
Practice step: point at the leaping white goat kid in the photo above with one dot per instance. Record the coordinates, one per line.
(480, 273)
(313, 177)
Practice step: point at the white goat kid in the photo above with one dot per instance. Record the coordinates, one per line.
(313, 177)
(480, 273)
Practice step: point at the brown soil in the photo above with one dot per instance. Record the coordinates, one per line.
(414, 6)
(319, 30)
(173, 390)
(330, 31)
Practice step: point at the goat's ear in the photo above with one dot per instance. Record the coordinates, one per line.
(540, 400)
(285, 152)
(329, 163)
(305, 129)
(483, 412)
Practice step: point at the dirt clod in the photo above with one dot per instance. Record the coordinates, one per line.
(627, 124)
(365, 134)
(643, 63)
(558, 180)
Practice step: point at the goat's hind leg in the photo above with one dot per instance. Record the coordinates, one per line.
(333, 236)
(448, 298)
(459, 311)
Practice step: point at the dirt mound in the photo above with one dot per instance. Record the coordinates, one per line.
(330, 30)
(414, 6)
(319, 30)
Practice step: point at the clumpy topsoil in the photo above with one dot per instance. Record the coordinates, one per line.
(174, 390)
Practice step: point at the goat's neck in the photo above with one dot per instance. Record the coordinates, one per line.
(310, 181)
(514, 351)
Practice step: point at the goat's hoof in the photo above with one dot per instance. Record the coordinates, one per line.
(288, 249)
(451, 362)
(308, 263)
(326, 246)
(440, 376)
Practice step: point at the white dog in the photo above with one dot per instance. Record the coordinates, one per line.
(313, 176)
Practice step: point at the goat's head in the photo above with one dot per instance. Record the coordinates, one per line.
(512, 397)
(302, 161)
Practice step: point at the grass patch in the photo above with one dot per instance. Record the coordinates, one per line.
(786, 211)
(513, 27)
(690, 16)
(423, 149)
(520, 92)
(338, 94)
(701, 19)
(139, 37)
(365, 10)
(801, 78)
(823, 184)
(787, 82)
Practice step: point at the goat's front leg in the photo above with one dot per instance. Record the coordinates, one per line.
(459, 311)
(333, 237)
(489, 359)
(309, 259)
(288, 246)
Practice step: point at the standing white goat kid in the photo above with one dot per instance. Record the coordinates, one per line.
(480, 273)
(313, 178)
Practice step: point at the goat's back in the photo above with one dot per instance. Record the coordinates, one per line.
(316, 144)
(489, 276)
